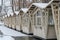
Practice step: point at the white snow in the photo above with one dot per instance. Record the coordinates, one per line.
(12, 13)
(24, 9)
(6, 38)
(8, 15)
(7, 3)
(5, 15)
(17, 12)
(0, 2)
(9, 32)
(42, 5)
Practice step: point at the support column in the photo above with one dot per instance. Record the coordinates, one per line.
(55, 11)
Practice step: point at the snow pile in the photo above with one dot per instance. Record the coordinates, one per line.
(42, 5)
(10, 32)
(6, 38)
(12, 14)
(8, 15)
(17, 12)
(5, 15)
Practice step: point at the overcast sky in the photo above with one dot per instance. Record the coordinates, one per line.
(0, 2)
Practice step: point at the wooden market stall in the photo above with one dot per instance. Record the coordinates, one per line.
(39, 21)
(13, 19)
(25, 21)
(18, 20)
(10, 20)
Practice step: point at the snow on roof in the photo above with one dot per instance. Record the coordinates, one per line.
(16, 12)
(7, 38)
(24, 9)
(12, 14)
(8, 15)
(5, 15)
(42, 5)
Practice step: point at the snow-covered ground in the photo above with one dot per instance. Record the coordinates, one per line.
(8, 33)
(6, 38)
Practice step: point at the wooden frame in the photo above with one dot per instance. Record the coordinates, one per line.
(56, 14)
(10, 21)
(26, 23)
(21, 20)
(7, 19)
(18, 20)
(13, 21)
(45, 30)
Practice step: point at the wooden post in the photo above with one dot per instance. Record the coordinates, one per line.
(55, 11)
(59, 21)
(13, 21)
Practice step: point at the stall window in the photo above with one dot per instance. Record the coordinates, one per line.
(38, 13)
(50, 18)
(37, 19)
(0, 2)
(43, 13)
(25, 22)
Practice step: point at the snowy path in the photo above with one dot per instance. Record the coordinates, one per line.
(10, 32)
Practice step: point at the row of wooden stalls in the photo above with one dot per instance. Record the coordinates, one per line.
(40, 19)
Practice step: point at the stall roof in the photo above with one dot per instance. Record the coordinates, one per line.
(17, 12)
(39, 5)
(5, 15)
(8, 15)
(12, 14)
(42, 5)
(24, 9)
